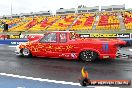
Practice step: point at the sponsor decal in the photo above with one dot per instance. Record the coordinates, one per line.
(73, 55)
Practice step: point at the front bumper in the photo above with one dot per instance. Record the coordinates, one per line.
(17, 52)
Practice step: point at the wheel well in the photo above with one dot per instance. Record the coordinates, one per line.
(21, 50)
(29, 51)
(87, 50)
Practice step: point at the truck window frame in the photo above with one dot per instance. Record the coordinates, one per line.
(41, 40)
(65, 34)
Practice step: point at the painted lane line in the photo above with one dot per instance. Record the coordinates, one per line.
(39, 79)
(2, 44)
(130, 49)
(12, 46)
(51, 81)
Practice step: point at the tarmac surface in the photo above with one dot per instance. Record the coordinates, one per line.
(60, 69)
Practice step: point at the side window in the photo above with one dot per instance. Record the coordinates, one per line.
(63, 37)
(73, 35)
(51, 37)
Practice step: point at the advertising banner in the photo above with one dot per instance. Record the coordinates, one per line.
(101, 35)
(14, 37)
(12, 41)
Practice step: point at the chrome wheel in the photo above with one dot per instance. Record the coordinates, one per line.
(88, 55)
(26, 52)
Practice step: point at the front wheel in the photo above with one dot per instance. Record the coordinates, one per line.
(26, 52)
(88, 55)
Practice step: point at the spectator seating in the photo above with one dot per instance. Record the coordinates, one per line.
(128, 19)
(83, 22)
(21, 25)
(63, 23)
(74, 22)
(44, 23)
(108, 21)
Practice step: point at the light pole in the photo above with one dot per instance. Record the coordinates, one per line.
(11, 8)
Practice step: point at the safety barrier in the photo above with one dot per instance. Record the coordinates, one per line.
(103, 35)
(16, 39)
(123, 36)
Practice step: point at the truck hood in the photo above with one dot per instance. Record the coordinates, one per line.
(34, 37)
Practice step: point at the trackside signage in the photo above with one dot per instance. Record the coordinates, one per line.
(12, 41)
(14, 36)
(99, 35)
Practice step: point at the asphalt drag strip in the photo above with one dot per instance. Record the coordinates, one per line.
(68, 71)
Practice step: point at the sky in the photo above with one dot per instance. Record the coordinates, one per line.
(27, 6)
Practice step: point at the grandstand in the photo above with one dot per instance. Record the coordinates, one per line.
(83, 18)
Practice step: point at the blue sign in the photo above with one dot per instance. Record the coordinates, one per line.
(12, 41)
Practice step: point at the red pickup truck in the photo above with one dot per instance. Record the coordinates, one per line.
(67, 44)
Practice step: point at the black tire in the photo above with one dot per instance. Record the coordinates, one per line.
(26, 52)
(88, 55)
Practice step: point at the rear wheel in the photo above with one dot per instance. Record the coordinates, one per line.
(88, 55)
(26, 52)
